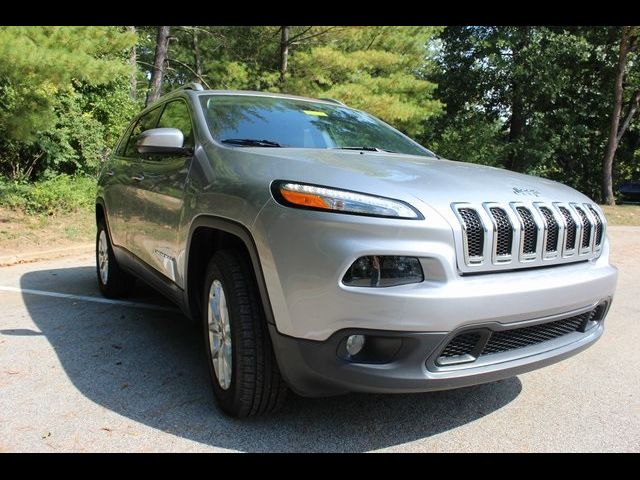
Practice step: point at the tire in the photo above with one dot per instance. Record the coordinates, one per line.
(115, 282)
(252, 384)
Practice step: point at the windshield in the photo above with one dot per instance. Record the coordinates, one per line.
(248, 120)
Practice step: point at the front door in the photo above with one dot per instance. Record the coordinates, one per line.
(160, 190)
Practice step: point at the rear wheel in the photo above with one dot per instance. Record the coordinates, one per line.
(112, 280)
(244, 373)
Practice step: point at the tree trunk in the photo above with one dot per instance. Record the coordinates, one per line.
(284, 52)
(517, 120)
(196, 54)
(162, 44)
(516, 127)
(631, 111)
(134, 67)
(612, 144)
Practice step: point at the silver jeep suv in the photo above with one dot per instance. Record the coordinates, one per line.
(323, 251)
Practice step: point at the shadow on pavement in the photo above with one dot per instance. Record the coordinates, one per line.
(149, 366)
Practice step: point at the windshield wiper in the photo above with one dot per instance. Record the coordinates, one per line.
(366, 149)
(251, 142)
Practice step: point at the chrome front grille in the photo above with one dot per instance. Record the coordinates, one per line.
(519, 235)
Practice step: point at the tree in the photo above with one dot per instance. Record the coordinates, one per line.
(50, 119)
(628, 41)
(533, 99)
(379, 69)
(160, 59)
(133, 78)
(284, 52)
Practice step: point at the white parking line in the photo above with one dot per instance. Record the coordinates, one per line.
(86, 298)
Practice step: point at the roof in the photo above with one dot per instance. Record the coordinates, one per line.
(196, 87)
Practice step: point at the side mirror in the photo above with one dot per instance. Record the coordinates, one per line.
(162, 141)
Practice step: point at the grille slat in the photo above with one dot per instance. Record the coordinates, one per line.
(599, 229)
(474, 231)
(570, 242)
(551, 244)
(463, 344)
(504, 231)
(586, 228)
(530, 231)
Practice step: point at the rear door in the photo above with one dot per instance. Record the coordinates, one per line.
(160, 193)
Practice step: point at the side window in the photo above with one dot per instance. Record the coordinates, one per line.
(176, 115)
(122, 145)
(146, 122)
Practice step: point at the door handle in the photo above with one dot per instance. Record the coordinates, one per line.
(138, 178)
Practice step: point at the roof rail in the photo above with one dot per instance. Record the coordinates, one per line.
(191, 86)
(332, 100)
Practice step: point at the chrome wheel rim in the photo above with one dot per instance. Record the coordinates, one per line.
(103, 257)
(219, 334)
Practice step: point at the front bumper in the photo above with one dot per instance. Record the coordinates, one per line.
(315, 369)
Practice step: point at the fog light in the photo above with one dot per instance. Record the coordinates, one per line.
(355, 344)
(383, 271)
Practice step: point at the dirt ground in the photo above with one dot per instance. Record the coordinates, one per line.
(20, 232)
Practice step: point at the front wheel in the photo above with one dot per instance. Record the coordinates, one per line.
(244, 373)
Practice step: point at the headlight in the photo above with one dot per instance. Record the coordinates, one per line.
(315, 197)
(383, 271)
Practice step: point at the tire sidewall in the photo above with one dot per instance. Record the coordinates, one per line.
(227, 398)
(104, 287)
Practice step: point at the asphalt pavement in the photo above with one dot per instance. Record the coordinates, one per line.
(82, 373)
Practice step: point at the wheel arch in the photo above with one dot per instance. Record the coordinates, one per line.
(101, 213)
(208, 234)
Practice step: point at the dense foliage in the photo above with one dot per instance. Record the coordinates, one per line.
(62, 97)
(532, 99)
(536, 100)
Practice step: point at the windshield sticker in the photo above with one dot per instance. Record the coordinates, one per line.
(315, 113)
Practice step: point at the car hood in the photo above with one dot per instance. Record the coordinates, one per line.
(437, 182)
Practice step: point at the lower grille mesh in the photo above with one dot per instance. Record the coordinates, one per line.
(471, 342)
(524, 337)
(463, 344)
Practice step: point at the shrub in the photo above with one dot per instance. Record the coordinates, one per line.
(56, 195)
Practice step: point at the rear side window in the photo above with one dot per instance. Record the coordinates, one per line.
(176, 115)
(146, 122)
